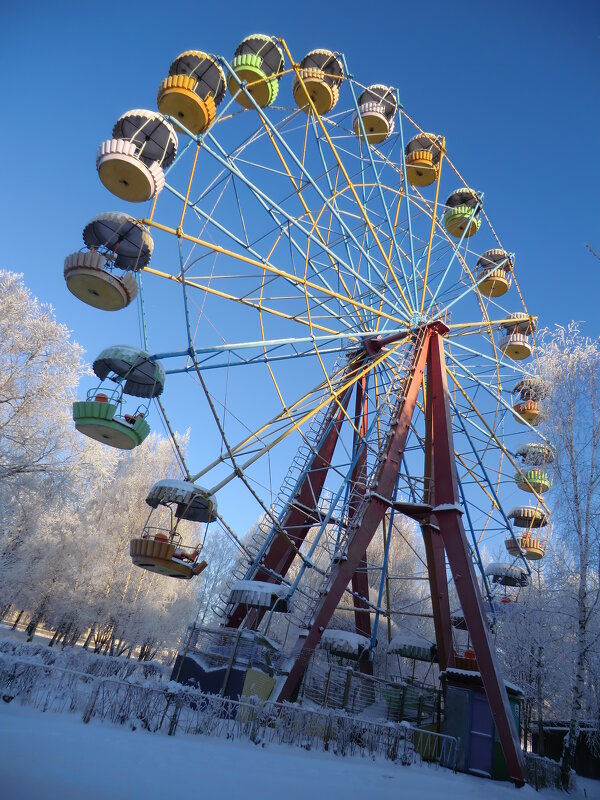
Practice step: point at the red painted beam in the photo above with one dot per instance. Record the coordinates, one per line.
(448, 513)
(299, 518)
(434, 546)
(361, 530)
(360, 579)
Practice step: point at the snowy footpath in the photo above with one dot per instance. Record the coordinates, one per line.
(56, 756)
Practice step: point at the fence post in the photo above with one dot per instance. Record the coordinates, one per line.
(175, 716)
(326, 692)
(89, 710)
(347, 688)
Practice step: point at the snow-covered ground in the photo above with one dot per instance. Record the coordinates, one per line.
(56, 756)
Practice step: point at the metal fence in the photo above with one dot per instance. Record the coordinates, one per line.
(544, 772)
(339, 687)
(176, 708)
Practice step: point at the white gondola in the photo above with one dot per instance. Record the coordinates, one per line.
(131, 164)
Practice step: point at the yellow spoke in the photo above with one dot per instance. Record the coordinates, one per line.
(269, 267)
(347, 177)
(267, 448)
(433, 220)
(243, 301)
(307, 211)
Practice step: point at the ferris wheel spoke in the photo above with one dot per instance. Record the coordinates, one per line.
(431, 232)
(472, 288)
(508, 365)
(299, 193)
(266, 203)
(333, 193)
(271, 345)
(307, 232)
(284, 415)
(266, 121)
(391, 227)
(303, 418)
(408, 211)
(223, 229)
(455, 254)
(471, 328)
(258, 306)
(290, 277)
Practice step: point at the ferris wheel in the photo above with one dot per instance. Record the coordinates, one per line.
(319, 280)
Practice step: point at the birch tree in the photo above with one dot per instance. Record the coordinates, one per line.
(571, 365)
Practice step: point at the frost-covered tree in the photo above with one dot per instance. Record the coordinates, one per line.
(39, 369)
(43, 460)
(74, 571)
(220, 553)
(68, 505)
(570, 363)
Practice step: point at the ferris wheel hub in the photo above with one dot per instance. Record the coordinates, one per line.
(418, 320)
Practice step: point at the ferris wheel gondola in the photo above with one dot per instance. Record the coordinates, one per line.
(160, 548)
(193, 89)
(131, 164)
(318, 81)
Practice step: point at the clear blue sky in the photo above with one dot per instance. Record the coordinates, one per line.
(513, 86)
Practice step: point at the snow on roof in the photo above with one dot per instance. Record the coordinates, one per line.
(449, 507)
(260, 594)
(170, 490)
(475, 677)
(194, 503)
(408, 639)
(510, 570)
(344, 641)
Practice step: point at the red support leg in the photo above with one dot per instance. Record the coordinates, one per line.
(434, 546)
(449, 516)
(301, 516)
(360, 579)
(362, 528)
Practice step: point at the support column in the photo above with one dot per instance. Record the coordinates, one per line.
(448, 513)
(434, 545)
(360, 579)
(302, 514)
(363, 528)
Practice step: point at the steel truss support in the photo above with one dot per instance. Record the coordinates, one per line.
(364, 525)
(448, 514)
(302, 514)
(441, 520)
(360, 579)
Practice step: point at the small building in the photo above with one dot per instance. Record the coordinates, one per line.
(468, 717)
